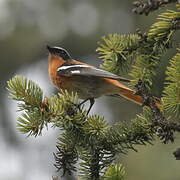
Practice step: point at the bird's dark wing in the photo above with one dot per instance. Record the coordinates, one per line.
(85, 70)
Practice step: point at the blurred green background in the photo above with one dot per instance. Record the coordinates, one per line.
(26, 27)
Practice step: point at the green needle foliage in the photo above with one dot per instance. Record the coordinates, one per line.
(87, 137)
(96, 127)
(171, 97)
(115, 172)
(165, 27)
(154, 45)
(117, 52)
(20, 89)
(91, 139)
(140, 53)
(30, 97)
(66, 156)
(145, 7)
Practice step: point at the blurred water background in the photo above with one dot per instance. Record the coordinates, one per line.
(26, 27)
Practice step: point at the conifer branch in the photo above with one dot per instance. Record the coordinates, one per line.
(89, 137)
(20, 89)
(168, 23)
(91, 134)
(171, 93)
(140, 51)
(164, 128)
(122, 136)
(66, 156)
(115, 172)
(31, 99)
(117, 52)
(150, 5)
(154, 45)
(91, 162)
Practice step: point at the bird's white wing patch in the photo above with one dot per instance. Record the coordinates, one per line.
(75, 72)
(72, 66)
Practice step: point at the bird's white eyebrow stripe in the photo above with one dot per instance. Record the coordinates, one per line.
(58, 47)
(76, 65)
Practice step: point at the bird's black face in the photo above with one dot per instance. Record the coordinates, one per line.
(58, 51)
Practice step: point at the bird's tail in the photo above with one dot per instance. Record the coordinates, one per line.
(131, 95)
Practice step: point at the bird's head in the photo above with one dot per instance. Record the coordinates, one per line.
(58, 51)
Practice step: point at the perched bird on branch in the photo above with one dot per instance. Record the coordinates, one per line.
(86, 80)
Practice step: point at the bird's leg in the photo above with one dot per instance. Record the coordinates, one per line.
(79, 105)
(91, 104)
(92, 101)
(83, 102)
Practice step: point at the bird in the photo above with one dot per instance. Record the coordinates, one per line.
(87, 81)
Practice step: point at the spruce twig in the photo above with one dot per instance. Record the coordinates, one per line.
(150, 6)
(165, 128)
(115, 172)
(171, 93)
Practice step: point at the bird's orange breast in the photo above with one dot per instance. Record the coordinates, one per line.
(54, 63)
